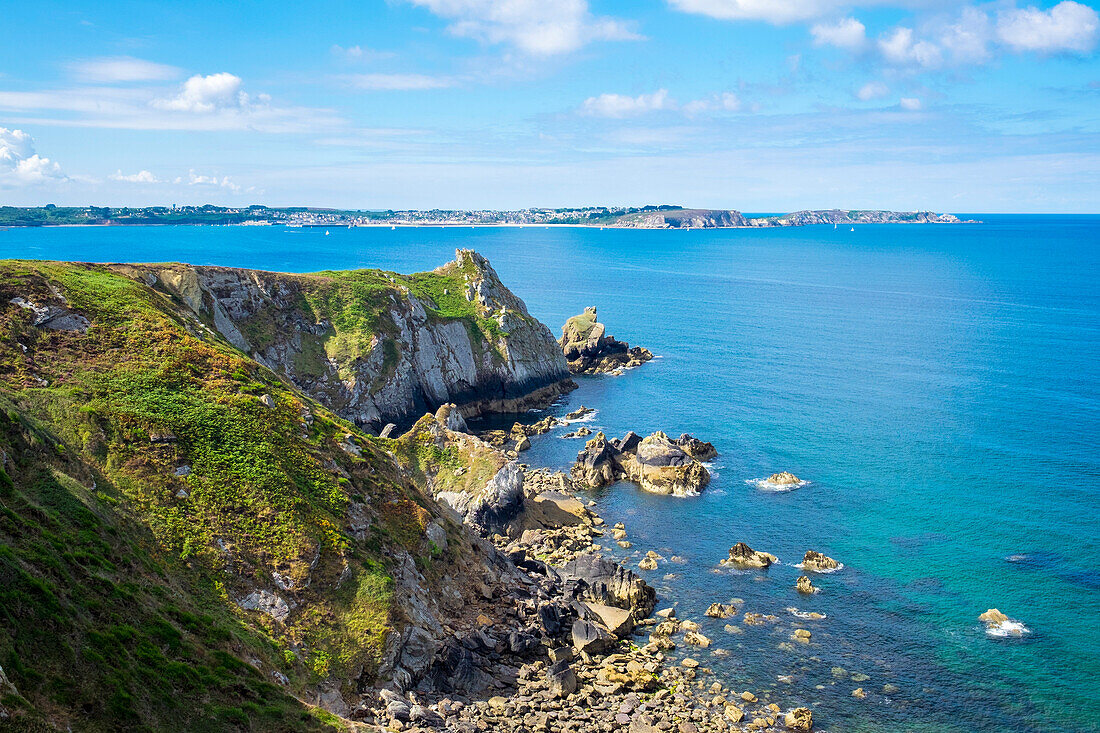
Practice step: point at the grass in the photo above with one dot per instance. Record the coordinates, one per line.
(118, 576)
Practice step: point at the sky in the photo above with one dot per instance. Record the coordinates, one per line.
(756, 105)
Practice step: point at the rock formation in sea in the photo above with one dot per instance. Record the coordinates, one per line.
(783, 478)
(743, 556)
(656, 463)
(818, 563)
(589, 351)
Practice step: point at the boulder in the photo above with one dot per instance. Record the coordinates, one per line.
(818, 563)
(590, 638)
(696, 448)
(783, 478)
(561, 678)
(696, 639)
(741, 555)
(619, 622)
(993, 617)
(596, 466)
(804, 585)
(266, 602)
(592, 578)
(721, 610)
(799, 719)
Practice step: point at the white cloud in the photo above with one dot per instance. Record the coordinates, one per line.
(536, 27)
(20, 164)
(359, 53)
(910, 103)
(872, 90)
(204, 94)
(967, 39)
(846, 33)
(393, 82)
(902, 48)
(724, 102)
(114, 69)
(771, 11)
(1067, 27)
(194, 179)
(621, 105)
(142, 176)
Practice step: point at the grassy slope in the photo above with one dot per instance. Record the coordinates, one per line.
(121, 594)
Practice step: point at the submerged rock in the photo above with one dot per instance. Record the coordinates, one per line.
(589, 351)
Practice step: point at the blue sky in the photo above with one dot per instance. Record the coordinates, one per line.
(759, 105)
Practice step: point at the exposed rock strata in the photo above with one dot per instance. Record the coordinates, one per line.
(590, 351)
(369, 347)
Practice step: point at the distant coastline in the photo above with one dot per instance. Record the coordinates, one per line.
(645, 217)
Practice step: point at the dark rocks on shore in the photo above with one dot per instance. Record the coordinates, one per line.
(589, 351)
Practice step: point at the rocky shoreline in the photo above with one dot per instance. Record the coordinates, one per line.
(573, 643)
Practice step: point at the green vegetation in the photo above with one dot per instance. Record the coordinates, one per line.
(582, 325)
(145, 488)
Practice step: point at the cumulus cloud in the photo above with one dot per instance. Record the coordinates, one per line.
(1067, 27)
(142, 176)
(910, 103)
(771, 11)
(204, 94)
(194, 179)
(536, 27)
(621, 105)
(115, 69)
(846, 33)
(872, 90)
(19, 163)
(902, 48)
(359, 53)
(724, 102)
(394, 82)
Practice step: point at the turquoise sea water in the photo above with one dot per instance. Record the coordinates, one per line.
(938, 385)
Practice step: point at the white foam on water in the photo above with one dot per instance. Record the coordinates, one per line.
(838, 568)
(1006, 629)
(764, 485)
(805, 615)
(584, 418)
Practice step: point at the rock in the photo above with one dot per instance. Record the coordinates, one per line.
(580, 412)
(783, 478)
(524, 443)
(993, 617)
(748, 696)
(720, 610)
(801, 635)
(589, 351)
(593, 578)
(799, 719)
(696, 448)
(696, 639)
(667, 613)
(267, 400)
(590, 638)
(619, 622)
(266, 602)
(398, 709)
(859, 693)
(818, 563)
(647, 563)
(387, 431)
(54, 317)
(437, 536)
(804, 585)
(595, 465)
(561, 678)
(183, 471)
(734, 713)
(689, 663)
(741, 555)
(660, 466)
(561, 654)
(449, 416)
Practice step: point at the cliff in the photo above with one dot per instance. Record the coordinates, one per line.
(379, 347)
(720, 218)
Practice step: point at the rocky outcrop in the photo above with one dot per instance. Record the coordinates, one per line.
(743, 556)
(818, 563)
(783, 478)
(656, 463)
(379, 347)
(804, 585)
(589, 350)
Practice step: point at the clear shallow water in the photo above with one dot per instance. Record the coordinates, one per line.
(938, 385)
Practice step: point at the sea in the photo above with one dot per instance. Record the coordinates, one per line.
(936, 387)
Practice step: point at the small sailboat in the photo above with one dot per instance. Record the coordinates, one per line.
(853, 229)
(834, 225)
(393, 227)
(326, 232)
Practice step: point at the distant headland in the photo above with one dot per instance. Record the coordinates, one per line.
(639, 217)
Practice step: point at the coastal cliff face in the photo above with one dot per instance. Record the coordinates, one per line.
(721, 218)
(379, 347)
(683, 219)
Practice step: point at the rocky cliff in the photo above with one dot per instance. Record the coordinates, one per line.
(673, 218)
(379, 347)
